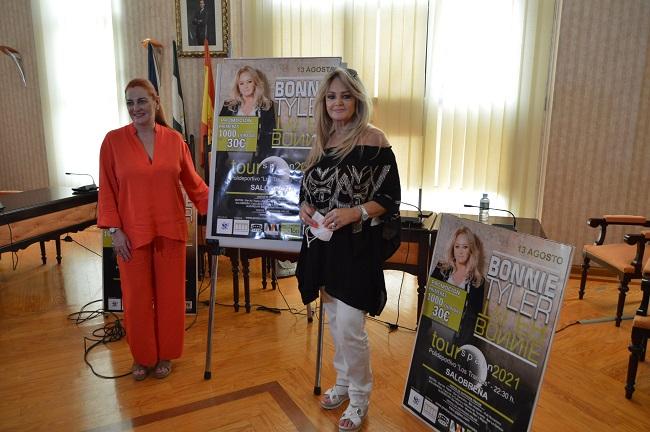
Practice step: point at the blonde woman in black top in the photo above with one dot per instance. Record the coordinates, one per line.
(350, 185)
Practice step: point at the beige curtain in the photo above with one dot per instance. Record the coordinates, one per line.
(487, 71)
(458, 85)
(76, 66)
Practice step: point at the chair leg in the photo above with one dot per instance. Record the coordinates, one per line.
(622, 292)
(43, 256)
(635, 353)
(645, 287)
(583, 279)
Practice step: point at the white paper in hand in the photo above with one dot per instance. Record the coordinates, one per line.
(321, 232)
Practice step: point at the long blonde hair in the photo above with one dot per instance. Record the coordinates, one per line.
(146, 84)
(261, 100)
(475, 261)
(324, 124)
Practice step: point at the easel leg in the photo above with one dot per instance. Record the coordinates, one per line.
(319, 350)
(213, 289)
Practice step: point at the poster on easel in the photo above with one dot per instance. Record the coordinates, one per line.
(490, 310)
(263, 130)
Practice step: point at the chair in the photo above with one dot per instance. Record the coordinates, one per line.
(625, 260)
(641, 324)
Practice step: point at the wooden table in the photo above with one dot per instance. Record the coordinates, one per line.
(413, 257)
(530, 226)
(45, 214)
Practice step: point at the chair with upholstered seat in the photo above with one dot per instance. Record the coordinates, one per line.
(625, 260)
(640, 326)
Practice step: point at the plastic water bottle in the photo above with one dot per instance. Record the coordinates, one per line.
(484, 205)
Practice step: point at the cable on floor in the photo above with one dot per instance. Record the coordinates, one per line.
(110, 332)
(69, 239)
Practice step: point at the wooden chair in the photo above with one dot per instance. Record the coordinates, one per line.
(640, 326)
(625, 260)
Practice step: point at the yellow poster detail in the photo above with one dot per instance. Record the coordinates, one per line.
(444, 303)
(237, 134)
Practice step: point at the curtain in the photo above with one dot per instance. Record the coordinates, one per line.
(487, 73)
(76, 66)
(458, 86)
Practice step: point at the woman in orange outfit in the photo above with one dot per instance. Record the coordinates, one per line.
(142, 168)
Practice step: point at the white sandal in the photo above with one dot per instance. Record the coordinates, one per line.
(356, 415)
(335, 397)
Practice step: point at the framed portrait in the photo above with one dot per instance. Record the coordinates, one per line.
(197, 20)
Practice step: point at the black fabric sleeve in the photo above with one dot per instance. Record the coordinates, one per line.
(389, 194)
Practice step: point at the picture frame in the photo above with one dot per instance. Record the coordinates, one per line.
(197, 19)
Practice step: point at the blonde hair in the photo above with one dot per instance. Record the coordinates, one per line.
(324, 124)
(261, 100)
(146, 84)
(475, 261)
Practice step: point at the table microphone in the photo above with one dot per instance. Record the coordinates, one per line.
(85, 188)
(512, 227)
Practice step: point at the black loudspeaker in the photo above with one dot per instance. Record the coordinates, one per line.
(112, 290)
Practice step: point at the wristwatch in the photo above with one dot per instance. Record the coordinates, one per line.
(112, 231)
(364, 213)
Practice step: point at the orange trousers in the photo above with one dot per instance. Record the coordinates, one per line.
(153, 293)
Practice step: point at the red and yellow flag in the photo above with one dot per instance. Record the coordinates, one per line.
(207, 110)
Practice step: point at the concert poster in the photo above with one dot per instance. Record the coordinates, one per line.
(491, 305)
(260, 151)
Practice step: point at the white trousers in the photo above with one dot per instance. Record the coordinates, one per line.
(352, 351)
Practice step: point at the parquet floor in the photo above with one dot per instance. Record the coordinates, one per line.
(264, 363)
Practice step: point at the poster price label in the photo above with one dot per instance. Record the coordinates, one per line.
(444, 303)
(237, 134)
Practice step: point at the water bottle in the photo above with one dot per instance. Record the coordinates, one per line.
(484, 205)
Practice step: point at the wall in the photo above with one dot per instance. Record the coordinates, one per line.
(23, 161)
(599, 140)
(142, 19)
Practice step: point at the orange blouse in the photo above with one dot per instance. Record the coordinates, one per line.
(143, 197)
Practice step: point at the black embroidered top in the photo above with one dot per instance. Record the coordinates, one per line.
(349, 265)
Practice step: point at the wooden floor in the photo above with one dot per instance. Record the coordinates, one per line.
(264, 363)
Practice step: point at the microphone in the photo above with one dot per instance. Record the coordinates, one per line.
(85, 188)
(413, 220)
(512, 227)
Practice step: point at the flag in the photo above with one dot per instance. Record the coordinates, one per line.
(154, 74)
(178, 108)
(18, 60)
(207, 109)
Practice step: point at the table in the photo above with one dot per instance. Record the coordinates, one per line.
(44, 214)
(530, 226)
(413, 257)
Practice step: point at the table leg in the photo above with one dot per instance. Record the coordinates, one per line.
(58, 250)
(274, 276)
(43, 256)
(264, 259)
(247, 285)
(422, 285)
(234, 260)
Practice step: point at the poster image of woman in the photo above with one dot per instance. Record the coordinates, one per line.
(463, 266)
(249, 97)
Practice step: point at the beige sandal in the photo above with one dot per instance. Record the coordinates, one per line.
(355, 415)
(163, 368)
(334, 397)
